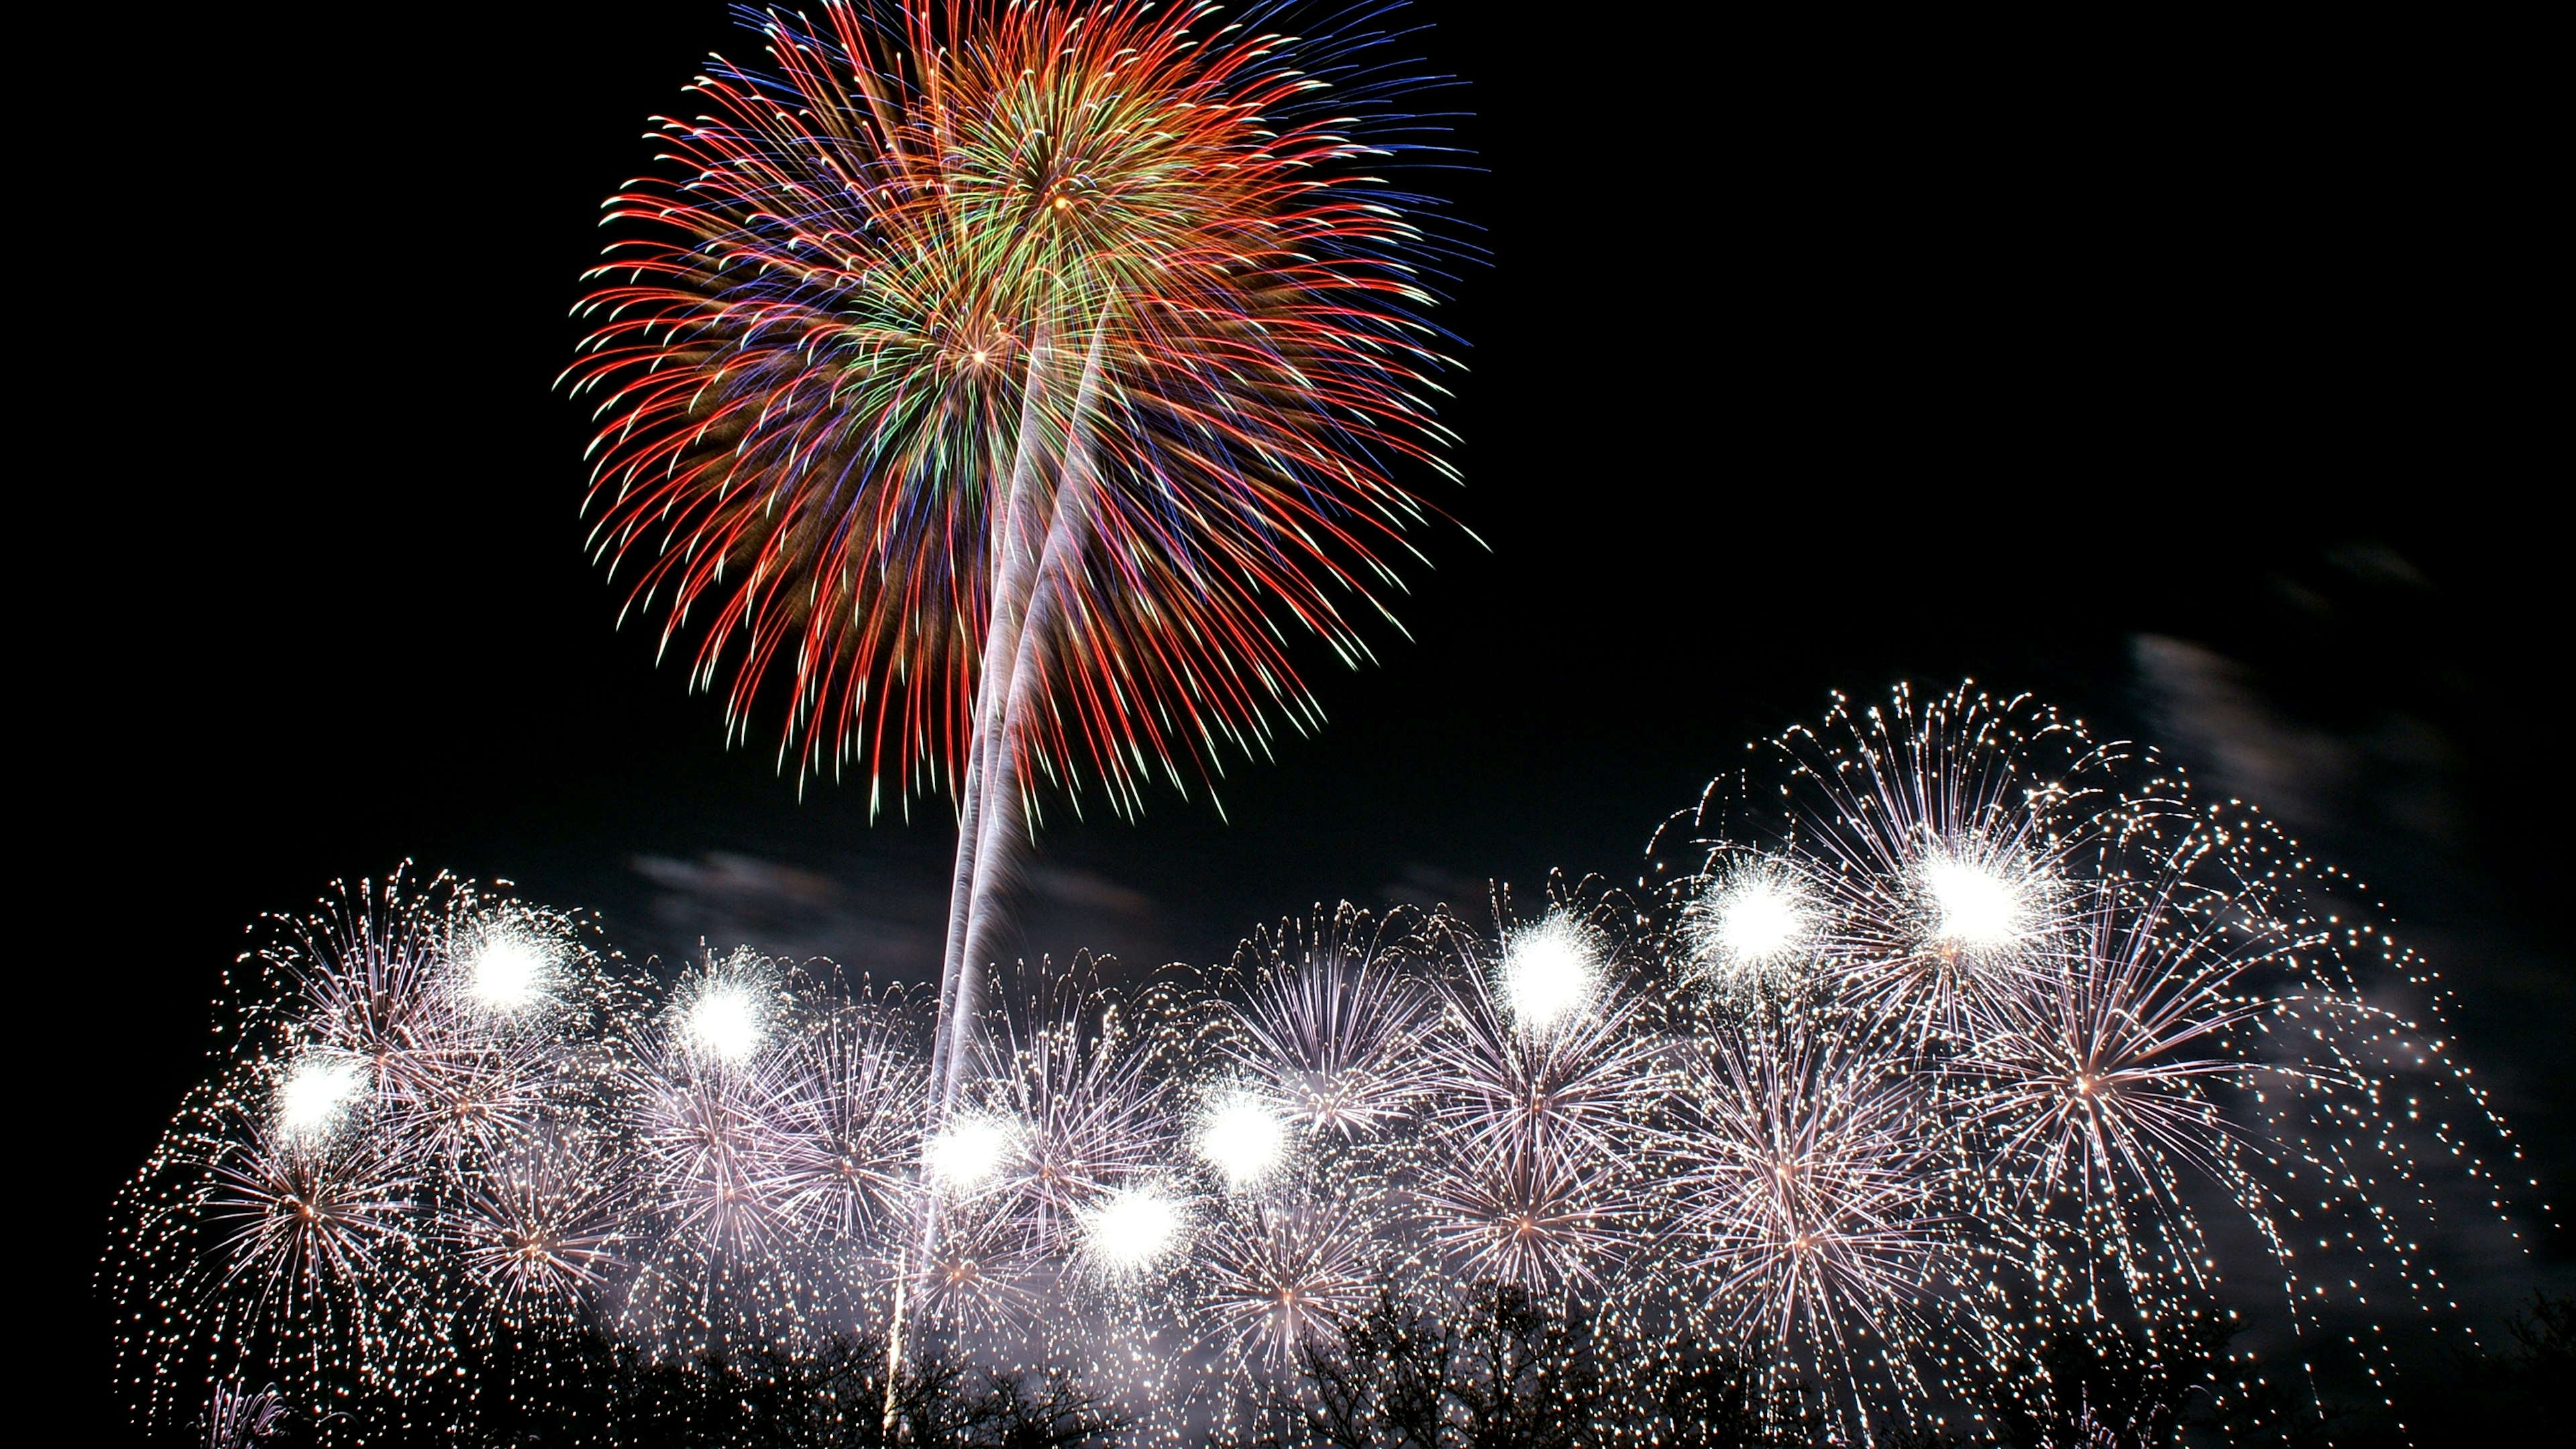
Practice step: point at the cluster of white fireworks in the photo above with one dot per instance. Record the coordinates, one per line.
(1932, 1033)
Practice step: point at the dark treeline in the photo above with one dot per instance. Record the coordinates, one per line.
(1504, 1372)
(584, 1392)
(1497, 1370)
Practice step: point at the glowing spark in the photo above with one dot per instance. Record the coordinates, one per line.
(1751, 926)
(1549, 973)
(968, 1152)
(1977, 906)
(317, 1094)
(724, 1022)
(1243, 1138)
(1761, 923)
(1126, 1233)
(508, 973)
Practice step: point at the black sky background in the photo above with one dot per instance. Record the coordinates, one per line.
(2194, 381)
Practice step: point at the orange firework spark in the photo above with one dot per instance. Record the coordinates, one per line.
(980, 348)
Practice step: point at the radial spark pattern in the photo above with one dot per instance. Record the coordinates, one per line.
(1944, 1036)
(1118, 284)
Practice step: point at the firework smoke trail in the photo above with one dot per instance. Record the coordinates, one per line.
(1945, 1033)
(1076, 331)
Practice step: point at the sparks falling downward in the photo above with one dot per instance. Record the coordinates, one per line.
(1946, 1034)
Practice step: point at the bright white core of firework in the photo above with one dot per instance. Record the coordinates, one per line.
(1243, 1138)
(967, 1152)
(724, 1022)
(507, 973)
(1755, 921)
(317, 1090)
(1978, 906)
(1548, 973)
(1130, 1229)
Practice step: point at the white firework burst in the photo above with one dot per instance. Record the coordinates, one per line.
(1805, 1172)
(1282, 1275)
(541, 1227)
(1754, 929)
(1084, 1109)
(848, 1119)
(1331, 1022)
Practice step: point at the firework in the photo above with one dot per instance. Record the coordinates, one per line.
(710, 1108)
(317, 1095)
(709, 1141)
(237, 1418)
(1526, 1216)
(1079, 1105)
(868, 318)
(301, 1222)
(540, 1227)
(2001, 995)
(1751, 930)
(1549, 975)
(1542, 1053)
(849, 1126)
(1243, 1136)
(1929, 860)
(506, 971)
(1129, 1231)
(1807, 1183)
(1332, 1017)
(1016, 371)
(2096, 1072)
(1280, 1275)
(1544, 1067)
(376, 1060)
(775, 1161)
(1952, 1036)
(981, 1281)
(971, 1151)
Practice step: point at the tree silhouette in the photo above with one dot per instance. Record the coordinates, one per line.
(1501, 1369)
(585, 1392)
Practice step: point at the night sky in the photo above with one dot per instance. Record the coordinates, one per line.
(2188, 381)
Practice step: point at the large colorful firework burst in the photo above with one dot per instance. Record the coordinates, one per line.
(957, 281)
(1944, 1034)
(1006, 376)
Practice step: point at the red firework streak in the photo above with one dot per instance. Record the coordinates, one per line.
(1005, 381)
